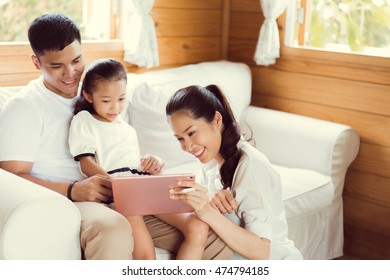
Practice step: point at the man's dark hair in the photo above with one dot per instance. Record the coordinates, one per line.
(52, 32)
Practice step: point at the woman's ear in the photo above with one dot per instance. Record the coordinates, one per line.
(218, 119)
(87, 96)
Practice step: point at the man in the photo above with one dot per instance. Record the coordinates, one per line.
(36, 146)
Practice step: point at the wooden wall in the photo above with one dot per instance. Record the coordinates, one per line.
(187, 31)
(343, 88)
(349, 89)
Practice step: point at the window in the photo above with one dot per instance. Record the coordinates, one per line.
(97, 19)
(354, 26)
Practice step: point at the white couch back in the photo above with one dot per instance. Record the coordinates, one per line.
(150, 91)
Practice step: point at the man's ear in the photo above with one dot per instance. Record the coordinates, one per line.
(87, 96)
(35, 61)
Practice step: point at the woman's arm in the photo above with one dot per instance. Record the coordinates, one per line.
(240, 240)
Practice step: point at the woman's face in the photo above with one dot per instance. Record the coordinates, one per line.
(198, 137)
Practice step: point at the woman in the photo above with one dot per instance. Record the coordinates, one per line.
(255, 226)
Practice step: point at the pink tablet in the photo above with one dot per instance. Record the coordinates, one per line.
(148, 195)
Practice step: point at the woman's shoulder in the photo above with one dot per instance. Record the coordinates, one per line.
(251, 153)
(255, 162)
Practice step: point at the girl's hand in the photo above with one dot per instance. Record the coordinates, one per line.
(151, 164)
(197, 199)
(224, 202)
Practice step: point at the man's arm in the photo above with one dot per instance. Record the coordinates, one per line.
(96, 188)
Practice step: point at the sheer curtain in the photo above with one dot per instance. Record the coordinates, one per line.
(140, 41)
(268, 46)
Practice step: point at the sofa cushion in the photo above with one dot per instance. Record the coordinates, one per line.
(304, 191)
(147, 116)
(149, 92)
(6, 93)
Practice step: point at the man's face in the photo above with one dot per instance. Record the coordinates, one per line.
(62, 70)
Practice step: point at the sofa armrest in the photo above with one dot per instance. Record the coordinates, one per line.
(302, 142)
(36, 223)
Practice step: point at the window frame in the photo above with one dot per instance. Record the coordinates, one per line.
(289, 17)
(329, 63)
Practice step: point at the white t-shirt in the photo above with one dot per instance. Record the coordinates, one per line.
(34, 128)
(113, 144)
(258, 191)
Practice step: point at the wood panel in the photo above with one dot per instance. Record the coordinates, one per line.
(187, 23)
(342, 66)
(367, 216)
(373, 159)
(365, 244)
(16, 67)
(188, 50)
(192, 5)
(246, 5)
(368, 187)
(359, 96)
(370, 127)
(245, 25)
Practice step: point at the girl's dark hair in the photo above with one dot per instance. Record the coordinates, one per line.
(106, 69)
(52, 32)
(202, 103)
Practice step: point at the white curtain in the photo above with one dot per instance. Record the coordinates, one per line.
(139, 35)
(268, 46)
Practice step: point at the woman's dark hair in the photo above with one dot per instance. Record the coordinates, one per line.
(106, 69)
(52, 32)
(202, 103)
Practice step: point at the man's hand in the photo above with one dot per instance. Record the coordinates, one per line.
(96, 188)
(224, 202)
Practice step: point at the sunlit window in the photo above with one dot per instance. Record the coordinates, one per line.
(357, 26)
(97, 19)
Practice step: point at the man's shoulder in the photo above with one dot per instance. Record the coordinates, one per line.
(27, 100)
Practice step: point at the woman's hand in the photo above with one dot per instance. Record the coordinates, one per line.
(224, 202)
(198, 198)
(152, 164)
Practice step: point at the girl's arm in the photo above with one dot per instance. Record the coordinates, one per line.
(89, 167)
(152, 164)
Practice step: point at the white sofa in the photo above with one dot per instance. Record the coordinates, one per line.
(312, 157)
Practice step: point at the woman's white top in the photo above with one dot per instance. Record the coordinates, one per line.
(258, 191)
(113, 144)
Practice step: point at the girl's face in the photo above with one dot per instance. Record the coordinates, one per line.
(198, 137)
(108, 99)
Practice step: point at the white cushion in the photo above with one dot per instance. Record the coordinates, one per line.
(33, 221)
(304, 191)
(149, 92)
(5, 94)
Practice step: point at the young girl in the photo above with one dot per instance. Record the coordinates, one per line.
(255, 226)
(104, 144)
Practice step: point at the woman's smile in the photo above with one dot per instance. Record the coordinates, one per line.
(199, 153)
